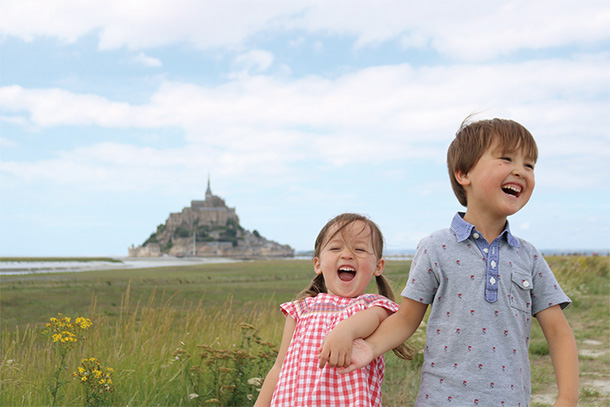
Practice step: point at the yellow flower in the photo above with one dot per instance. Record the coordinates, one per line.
(83, 323)
(83, 379)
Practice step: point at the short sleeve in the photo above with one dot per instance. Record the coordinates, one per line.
(423, 279)
(290, 309)
(546, 291)
(373, 300)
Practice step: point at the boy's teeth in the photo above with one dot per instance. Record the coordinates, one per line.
(512, 189)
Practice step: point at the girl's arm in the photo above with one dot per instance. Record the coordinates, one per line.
(564, 354)
(266, 393)
(392, 332)
(336, 348)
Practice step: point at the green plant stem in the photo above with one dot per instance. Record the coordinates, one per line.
(54, 387)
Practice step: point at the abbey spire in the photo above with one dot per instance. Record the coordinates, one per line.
(208, 192)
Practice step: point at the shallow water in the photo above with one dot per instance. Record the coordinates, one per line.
(35, 267)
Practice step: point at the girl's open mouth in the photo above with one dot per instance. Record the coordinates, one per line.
(346, 274)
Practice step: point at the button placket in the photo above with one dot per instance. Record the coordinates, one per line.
(491, 291)
(492, 256)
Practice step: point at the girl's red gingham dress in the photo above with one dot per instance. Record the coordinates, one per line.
(301, 381)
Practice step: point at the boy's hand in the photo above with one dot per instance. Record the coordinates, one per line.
(336, 350)
(564, 403)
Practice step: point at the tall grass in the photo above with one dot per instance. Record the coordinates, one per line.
(140, 345)
(154, 343)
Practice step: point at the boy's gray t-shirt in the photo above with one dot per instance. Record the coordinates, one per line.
(482, 300)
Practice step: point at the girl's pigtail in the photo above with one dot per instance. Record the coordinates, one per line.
(317, 286)
(384, 288)
(405, 350)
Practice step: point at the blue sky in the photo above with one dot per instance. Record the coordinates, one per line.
(113, 114)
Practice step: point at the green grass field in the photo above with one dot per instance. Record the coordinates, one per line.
(152, 326)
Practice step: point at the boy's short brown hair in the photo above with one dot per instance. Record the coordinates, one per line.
(474, 138)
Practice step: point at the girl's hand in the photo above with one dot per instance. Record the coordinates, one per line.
(362, 355)
(336, 350)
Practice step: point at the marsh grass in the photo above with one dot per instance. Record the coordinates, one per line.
(145, 322)
(139, 345)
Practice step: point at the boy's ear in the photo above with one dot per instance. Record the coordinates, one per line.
(316, 265)
(380, 267)
(462, 178)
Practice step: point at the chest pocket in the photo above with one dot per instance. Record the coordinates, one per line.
(521, 291)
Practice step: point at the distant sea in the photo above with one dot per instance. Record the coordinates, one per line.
(40, 267)
(36, 267)
(408, 254)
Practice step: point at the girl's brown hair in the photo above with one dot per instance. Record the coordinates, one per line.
(318, 284)
(474, 138)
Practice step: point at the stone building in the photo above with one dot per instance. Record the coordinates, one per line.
(213, 212)
(208, 228)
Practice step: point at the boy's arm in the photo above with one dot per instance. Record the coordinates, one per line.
(336, 348)
(266, 393)
(392, 332)
(564, 354)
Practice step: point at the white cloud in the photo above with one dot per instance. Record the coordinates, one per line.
(254, 61)
(6, 143)
(263, 125)
(447, 26)
(392, 103)
(146, 60)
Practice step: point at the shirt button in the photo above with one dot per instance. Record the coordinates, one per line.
(526, 283)
(486, 250)
(476, 235)
(493, 264)
(492, 281)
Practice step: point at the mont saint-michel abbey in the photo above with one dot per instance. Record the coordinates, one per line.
(208, 228)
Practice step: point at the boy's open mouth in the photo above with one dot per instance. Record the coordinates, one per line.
(346, 273)
(512, 190)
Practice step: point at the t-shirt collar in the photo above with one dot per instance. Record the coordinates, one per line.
(463, 230)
